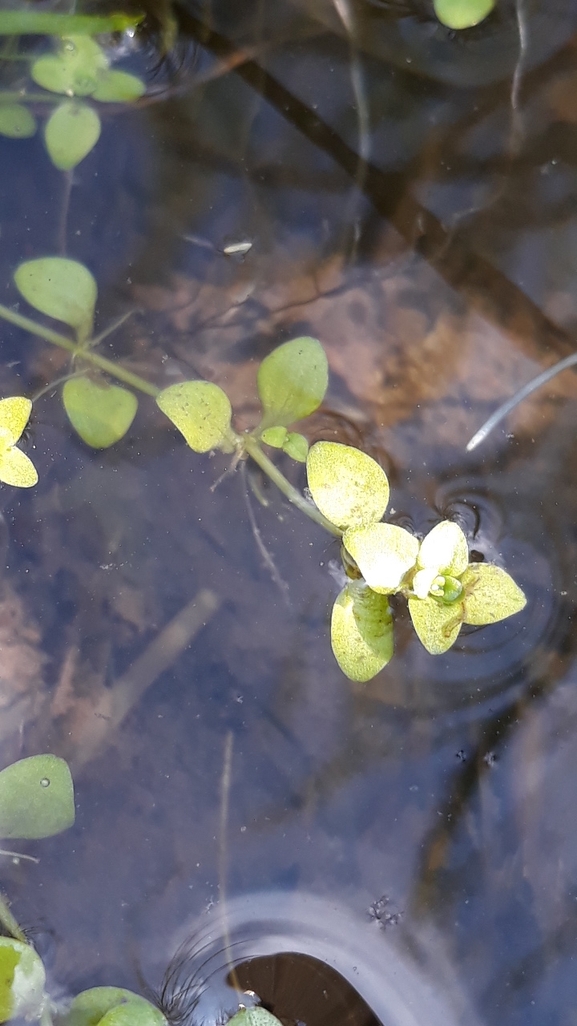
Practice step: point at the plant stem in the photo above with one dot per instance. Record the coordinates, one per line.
(46, 1017)
(116, 371)
(252, 447)
(8, 922)
(247, 442)
(50, 23)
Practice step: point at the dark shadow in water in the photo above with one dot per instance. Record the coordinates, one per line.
(298, 989)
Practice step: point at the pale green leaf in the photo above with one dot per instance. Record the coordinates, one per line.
(444, 549)
(118, 87)
(254, 1017)
(292, 381)
(16, 121)
(348, 487)
(112, 1006)
(361, 631)
(275, 436)
(296, 446)
(36, 797)
(99, 412)
(60, 288)
(16, 468)
(22, 981)
(462, 14)
(437, 623)
(200, 410)
(384, 553)
(70, 134)
(490, 594)
(76, 68)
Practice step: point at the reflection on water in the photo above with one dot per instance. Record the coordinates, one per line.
(370, 979)
(439, 273)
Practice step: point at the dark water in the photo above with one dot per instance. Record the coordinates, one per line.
(410, 199)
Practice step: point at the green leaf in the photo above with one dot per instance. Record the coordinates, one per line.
(70, 134)
(16, 121)
(254, 1017)
(444, 549)
(292, 381)
(275, 436)
(436, 623)
(200, 410)
(118, 87)
(99, 412)
(112, 1006)
(490, 594)
(462, 14)
(348, 487)
(22, 981)
(76, 68)
(384, 553)
(36, 797)
(361, 631)
(296, 446)
(60, 288)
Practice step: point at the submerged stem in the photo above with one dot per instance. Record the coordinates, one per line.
(112, 368)
(252, 447)
(8, 922)
(248, 442)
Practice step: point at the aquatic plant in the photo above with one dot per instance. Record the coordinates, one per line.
(350, 491)
(75, 77)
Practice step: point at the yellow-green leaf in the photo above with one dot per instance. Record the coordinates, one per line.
(60, 288)
(70, 134)
(99, 412)
(462, 14)
(22, 981)
(444, 549)
(292, 381)
(275, 436)
(15, 467)
(36, 797)
(384, 553)
(16, 121)
(361, 631)
(349, 487)
(490, 594)
(118, 87)
(437, 623)
(200, 410)
(14, 416)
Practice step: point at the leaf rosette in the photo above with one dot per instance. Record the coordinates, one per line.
(448, 591)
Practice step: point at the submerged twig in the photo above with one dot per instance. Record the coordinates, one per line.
(161, 653)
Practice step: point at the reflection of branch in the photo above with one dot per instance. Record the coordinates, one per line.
(484, 286)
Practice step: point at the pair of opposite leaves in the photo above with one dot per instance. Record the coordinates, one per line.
(292, 380)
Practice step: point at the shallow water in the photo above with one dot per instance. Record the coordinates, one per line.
(437, 268)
